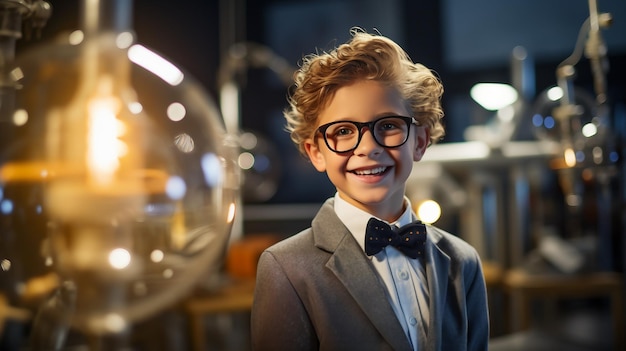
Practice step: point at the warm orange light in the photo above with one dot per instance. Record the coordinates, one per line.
(429, 211)
(104, 148)
(570, 157)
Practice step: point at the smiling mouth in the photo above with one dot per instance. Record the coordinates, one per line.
(372, 172)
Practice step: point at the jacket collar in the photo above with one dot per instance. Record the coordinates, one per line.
(360, 279)
(349, 265)
(437, 265)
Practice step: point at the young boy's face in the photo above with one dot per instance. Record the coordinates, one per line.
(370, 177)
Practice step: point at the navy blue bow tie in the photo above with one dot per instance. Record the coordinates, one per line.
(408, 239)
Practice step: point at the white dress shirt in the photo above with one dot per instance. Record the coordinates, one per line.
(404, 278)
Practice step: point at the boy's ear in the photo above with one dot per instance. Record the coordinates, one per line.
(422, 134)
(316, 157)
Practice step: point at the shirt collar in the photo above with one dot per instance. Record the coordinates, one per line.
(356, 219)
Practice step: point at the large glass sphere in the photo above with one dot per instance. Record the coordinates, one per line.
(582, 127)
(119, 179)
(546, 115)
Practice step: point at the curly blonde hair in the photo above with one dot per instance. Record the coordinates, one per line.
(365, 56)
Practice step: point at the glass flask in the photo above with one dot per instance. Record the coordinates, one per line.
(118, 179)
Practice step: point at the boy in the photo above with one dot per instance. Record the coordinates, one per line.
(363, 113)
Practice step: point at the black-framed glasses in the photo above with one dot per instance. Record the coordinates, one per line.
(388, 131)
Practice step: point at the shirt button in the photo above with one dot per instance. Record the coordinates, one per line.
(404, 275)
(413, 321)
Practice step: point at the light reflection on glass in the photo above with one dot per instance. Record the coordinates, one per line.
(5, 265)
(184, 143)
(124, 40)
(211, 167)
(155, 64)
(245, 160)
(135, 107)
(175, 188)
(6, 206)
(156, 256)
(176, 111)
(231, 213)
(119, 258)
(20, 117)
(76, 37)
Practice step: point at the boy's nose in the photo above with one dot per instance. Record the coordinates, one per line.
(368, 144)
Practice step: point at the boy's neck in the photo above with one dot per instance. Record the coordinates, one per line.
(391, 216)
(383, 211)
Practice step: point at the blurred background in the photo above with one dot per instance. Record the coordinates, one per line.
(538, 190)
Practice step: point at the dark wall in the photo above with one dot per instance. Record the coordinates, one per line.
(188, 33)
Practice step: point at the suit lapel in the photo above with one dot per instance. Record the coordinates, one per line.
(357, 275)
(437, 266)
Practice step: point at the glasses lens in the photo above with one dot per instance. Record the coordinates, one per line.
(391, 131)
(342, 136)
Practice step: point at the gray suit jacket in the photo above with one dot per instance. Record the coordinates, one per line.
(317, 290)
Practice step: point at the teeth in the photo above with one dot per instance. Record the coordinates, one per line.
(371, 171)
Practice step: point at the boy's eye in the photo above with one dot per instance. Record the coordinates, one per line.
(345, 131)
(342, 130)
(388, 127)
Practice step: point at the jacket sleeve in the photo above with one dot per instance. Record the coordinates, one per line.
(279, 320)
(477, 308)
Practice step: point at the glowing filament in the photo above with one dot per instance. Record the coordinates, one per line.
(104, 146)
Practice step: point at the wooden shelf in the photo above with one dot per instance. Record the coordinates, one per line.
(235, 295)
(524, 287)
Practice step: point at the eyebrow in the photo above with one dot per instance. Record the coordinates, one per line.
(376, 116)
